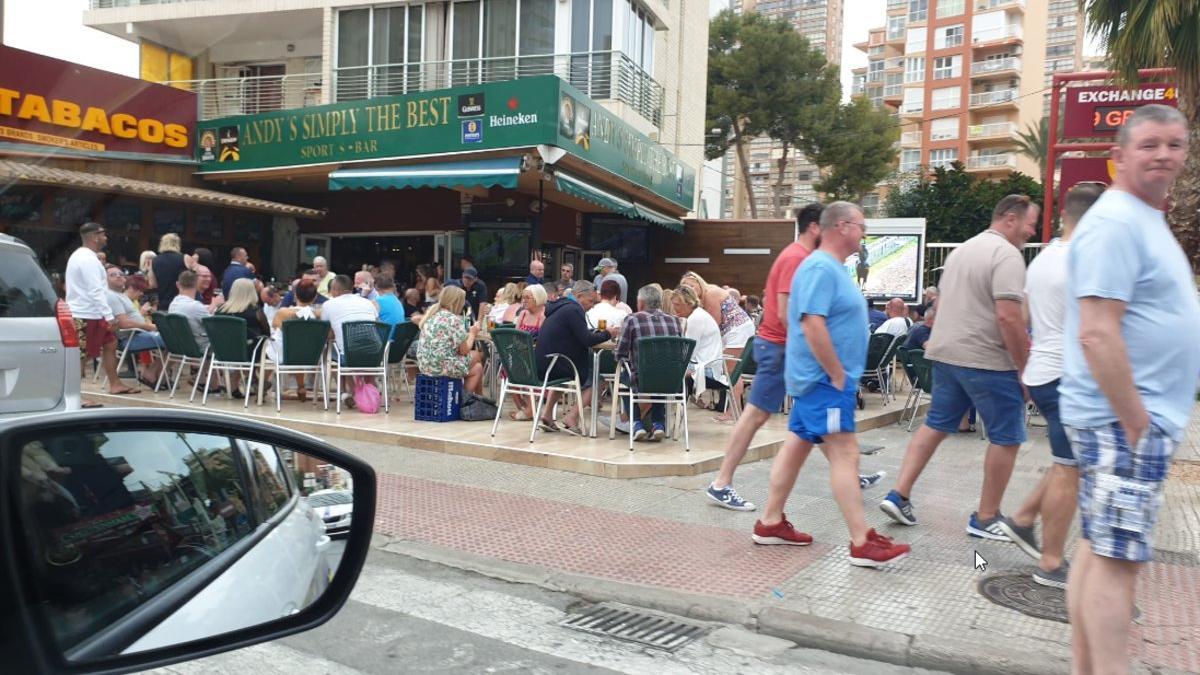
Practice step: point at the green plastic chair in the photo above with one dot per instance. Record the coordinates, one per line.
(182, 348)
(304, 345)
(404, 335)
(229, 343)
(881, 350)
(662, 367)
(515, 349)
(366, 346)
(922, 385)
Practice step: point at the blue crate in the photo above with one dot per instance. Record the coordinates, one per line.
(438, 399)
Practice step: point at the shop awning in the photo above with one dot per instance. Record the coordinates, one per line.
(484, 173)
(36, 174)
(568, 184)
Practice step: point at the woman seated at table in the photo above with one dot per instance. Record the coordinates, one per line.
(529, 319)
(508, 303)
(706, 371)
(446, 347)
(243, 303)
(305, 293)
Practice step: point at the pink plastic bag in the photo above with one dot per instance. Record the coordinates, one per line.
(366, 395)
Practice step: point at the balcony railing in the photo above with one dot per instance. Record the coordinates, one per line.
(947, 41)
(995, 65)
(994, 34)
(897, 4)
(601, 75)
(109, 4)
(912, 109)
(993, 97)
(911, 76)
(893, 91)
(997, 130)
(1004, 160)
(910, 138)
(893, 63)
(984, 5)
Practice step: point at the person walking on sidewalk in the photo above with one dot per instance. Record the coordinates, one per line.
(978, 353)
(770, 346)
(826, 353)
(1054, 497)
(1130, 365)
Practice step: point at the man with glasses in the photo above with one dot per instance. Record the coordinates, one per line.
(128, 317)
(825, 355)
(979, 354)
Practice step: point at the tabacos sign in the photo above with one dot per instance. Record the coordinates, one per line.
(49, 102)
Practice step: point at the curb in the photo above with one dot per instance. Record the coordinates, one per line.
(807, 631)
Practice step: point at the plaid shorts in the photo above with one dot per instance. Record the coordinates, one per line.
(1120, 489)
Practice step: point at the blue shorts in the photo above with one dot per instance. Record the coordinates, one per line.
(823, 410)
(1045, 397)
(143, 342)
(1121, 489)
(996, 394)
(768, 391)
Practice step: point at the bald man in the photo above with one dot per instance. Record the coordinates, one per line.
(897, 323)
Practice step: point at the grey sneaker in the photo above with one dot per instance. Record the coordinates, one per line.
(870, 480)
(1023, 537)
(1056, 578)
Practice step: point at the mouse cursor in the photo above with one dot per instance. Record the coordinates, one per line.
(980, 563)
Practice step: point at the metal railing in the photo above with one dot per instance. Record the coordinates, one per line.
(110, 4)
(994, 97)
(1004, 160)
(893, 90)
(984, 5)
(226, 96)
(600, 75)
(995, 65)
(945, 41)
(896, 4)
(1005, 129)
(936, 254)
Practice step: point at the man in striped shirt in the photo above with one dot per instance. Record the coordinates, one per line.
(648, 321)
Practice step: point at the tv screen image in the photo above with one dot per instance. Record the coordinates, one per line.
(887, 266)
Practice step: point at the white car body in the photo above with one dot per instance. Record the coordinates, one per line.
(336, 517)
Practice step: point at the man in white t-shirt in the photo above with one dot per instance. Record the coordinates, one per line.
(346, 305)
(1055, 496)
(607, 308)
(898, 322)
(87, 298)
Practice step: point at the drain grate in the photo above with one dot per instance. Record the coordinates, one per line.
(635, 625)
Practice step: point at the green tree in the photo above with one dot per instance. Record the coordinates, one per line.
(955, 204)
(810, 96)
(1034, 142)
(1160, 34)
(854, 144)
(763, 78)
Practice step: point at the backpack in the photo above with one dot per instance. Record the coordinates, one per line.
(476, 408)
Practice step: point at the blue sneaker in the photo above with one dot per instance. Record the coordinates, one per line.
(639, 432)
(987, 529)
(729, 498)
(658, 432)
(898, 508)
(867, 481)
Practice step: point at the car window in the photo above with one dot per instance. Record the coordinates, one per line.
(271, 487)
(114, 518)
(24, 289)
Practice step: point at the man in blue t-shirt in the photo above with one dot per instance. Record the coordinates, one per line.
(1130, 363)
(391, 310)
(826, 354)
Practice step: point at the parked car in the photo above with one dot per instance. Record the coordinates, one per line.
(39, 350)
(335, 507)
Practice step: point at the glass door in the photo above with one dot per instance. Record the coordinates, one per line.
(313, 245)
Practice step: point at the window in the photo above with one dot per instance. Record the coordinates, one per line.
(377, 51)
(943, 157)
(918, 10)
(914, 100)
(943, 129)
(950, 8)
(591, 71)
(24, 289)
(910, 160)
(895, 27)
(947, 66)
(949, 36)
(945, 98)
(138, 509)
(915, 41)
(914, 69)
(271, 487)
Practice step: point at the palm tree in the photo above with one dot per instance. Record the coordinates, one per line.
(1034, 143)
(1161, 34)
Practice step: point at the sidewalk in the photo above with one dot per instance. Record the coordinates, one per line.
(659, 543)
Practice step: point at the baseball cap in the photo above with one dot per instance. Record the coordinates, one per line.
(471, 273)
(605, 262)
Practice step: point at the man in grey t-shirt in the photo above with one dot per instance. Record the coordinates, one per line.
(186, 304)
(606, 269)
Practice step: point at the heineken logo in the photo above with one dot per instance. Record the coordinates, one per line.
(518, 119)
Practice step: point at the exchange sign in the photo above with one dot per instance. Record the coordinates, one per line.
(1100, 111)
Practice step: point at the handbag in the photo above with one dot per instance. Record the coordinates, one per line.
(366, 395)
(476, 408)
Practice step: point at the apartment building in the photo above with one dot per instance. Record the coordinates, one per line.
(1064, 42)
(821, 23)
(963, 76)
(616, 86)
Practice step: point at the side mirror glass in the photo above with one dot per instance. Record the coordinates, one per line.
(134, 540)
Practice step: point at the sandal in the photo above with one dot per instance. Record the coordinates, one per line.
(548, 426)
(519, 416)
(125, 390)
(574, 431)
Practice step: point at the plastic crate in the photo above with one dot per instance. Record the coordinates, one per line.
(438, 399)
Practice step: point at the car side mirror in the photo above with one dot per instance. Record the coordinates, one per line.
(133, 538)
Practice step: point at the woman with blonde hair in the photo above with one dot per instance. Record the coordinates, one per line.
(446, 347)
(529, 319)
(243, 302)
(508, 296)
(706, 369)
(736, 325)
(146, 267)
(166, 267)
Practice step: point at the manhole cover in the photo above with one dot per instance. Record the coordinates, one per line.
(1017, 590)
(635, 625)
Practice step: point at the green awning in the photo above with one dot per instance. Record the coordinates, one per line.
(485, 173)
(568, 184)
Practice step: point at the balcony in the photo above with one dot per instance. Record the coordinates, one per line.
(609, 75)
(897, 4)
(948, 41)
(893, 91)
(1005, 66)
(1002, 34)
(1005, 131)
(110, 4)
(1011, 5)
(858, 89)
(894, 63)
(910, 139)
(912, 110)
(988, 98)
(998, 162)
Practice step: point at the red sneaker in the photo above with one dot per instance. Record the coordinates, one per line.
(779, 533)
(877, 551)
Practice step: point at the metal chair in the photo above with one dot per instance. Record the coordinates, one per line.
(176, 332)
(881, 350)
(128, 334)
(304, 347)
(402, 338)
(515, 348)
(229, 343)
(662, 369)
(923, 384)
(364, 353)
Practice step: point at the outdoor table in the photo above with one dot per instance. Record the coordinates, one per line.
(597, 350)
